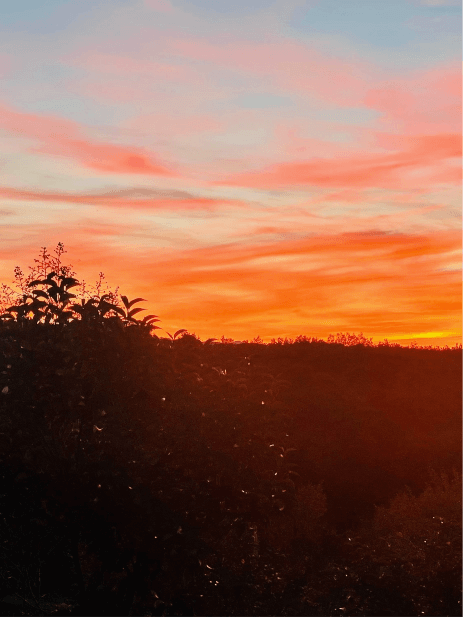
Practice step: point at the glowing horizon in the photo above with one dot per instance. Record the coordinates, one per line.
(272, 171)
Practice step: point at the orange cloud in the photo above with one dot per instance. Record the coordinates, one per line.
(64, 138)
(383, 284)
(387, 285)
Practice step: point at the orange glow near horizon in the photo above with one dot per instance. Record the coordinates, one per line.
(377, 284)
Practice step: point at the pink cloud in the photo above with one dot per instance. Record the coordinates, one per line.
(107, 158)
(174, 125)
(289, 65)
(118, 200)
(118, 65)
(121, 78)
(421, 163)
(290, 141)
(426, 103)
(108, 89)
(64, 138)
(347, 196)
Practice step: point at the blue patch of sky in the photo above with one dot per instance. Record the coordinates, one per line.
(40, 90)
(46, 16)
(224, 7)
(28, 10)
(378, 23)
(70, 107)
(34, 16)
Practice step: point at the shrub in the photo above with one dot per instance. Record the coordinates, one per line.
(414, 545)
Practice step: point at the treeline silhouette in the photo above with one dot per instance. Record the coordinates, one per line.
(150, 475)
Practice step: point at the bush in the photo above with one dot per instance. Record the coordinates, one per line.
(414, 545)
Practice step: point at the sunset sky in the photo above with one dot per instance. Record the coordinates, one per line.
(250, 167)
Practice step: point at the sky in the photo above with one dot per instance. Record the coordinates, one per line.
(251, 168)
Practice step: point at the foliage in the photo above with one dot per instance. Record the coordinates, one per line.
(350, 339)
(414, 546)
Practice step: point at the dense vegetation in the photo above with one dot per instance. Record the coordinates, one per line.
(148, 475)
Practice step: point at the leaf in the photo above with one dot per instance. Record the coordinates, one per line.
(37, 282)
(146, 317)
(39, 304)
(14, 309)
(38, 293)
(179, 332)
(104, 307)
(125, 300)
(117, 309)
(69, 282)
(91, 305)
(50, 277)
(53, 292)
(135, 311)
(67, 314)
(135, 301)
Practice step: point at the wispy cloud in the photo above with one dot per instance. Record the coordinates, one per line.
(334, 282)
(428, 102)
(60, 137)
(425, 154)
(133, 198)
(286, 64)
